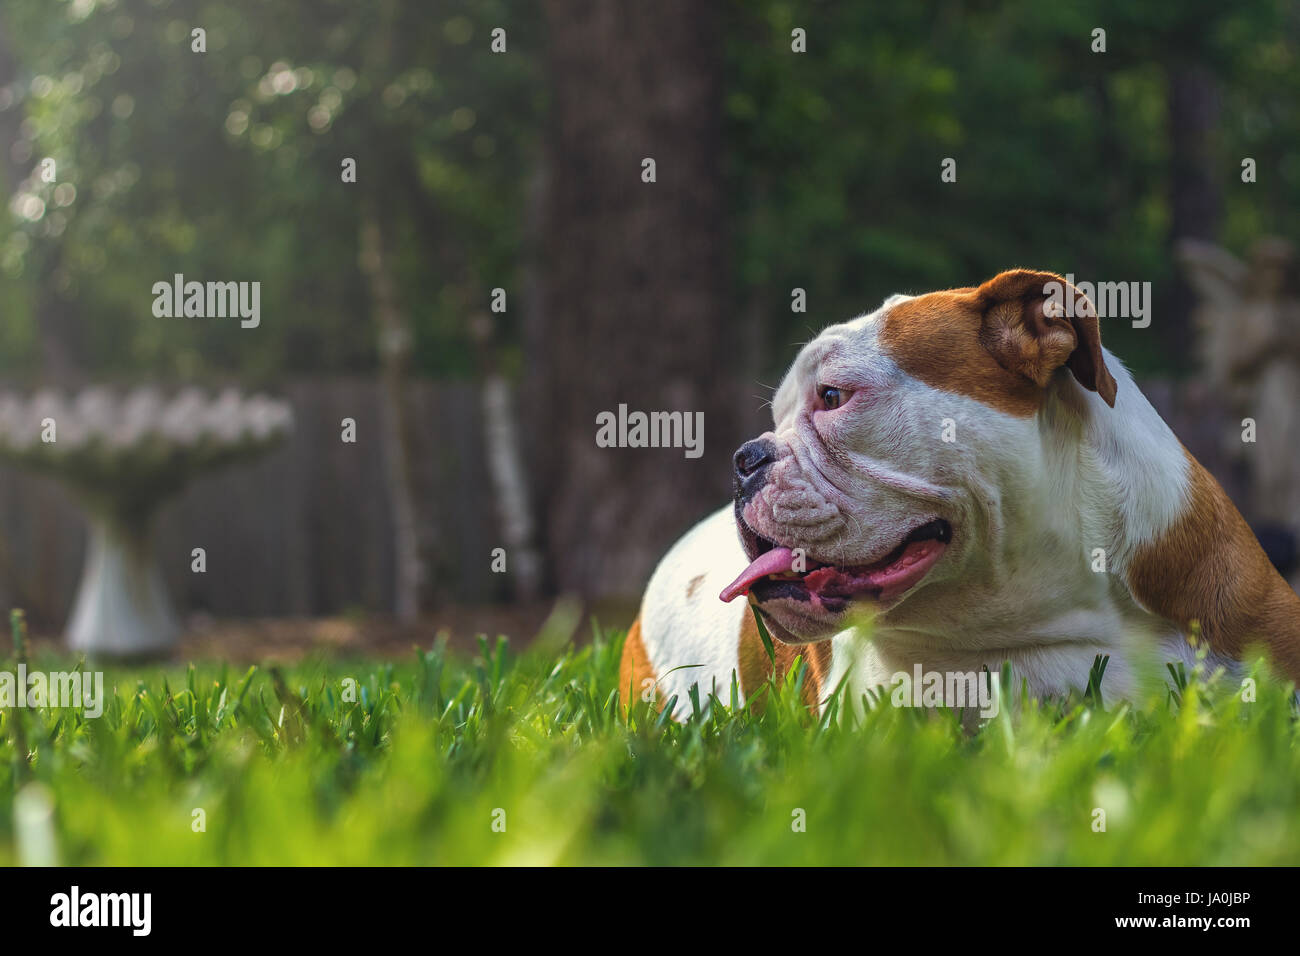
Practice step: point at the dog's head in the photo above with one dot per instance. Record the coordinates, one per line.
(898, 437)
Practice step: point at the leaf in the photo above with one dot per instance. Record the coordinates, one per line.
(765, 637)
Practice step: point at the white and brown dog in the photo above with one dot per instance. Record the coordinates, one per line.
(974, 470)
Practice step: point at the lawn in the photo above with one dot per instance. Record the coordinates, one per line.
(526, 759)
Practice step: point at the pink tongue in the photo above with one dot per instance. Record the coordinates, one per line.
(776, 561)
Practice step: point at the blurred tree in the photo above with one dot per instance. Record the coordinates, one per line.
(24, 173)
(1067, 159)
(211, 163)
(776, 170)
(634, 307)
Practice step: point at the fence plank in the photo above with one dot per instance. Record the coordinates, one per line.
(303, 531)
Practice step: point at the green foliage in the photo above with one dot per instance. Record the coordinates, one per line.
(1063, 156)
(226, 164)
(412, 771)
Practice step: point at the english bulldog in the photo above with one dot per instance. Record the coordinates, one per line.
(958, 480)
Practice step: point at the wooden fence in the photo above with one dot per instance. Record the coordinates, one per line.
(305, 530)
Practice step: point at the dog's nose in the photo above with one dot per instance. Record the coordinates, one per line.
(752, 461)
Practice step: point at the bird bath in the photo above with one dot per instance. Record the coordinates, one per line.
(123, 454)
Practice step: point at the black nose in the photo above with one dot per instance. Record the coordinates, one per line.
(752, 461)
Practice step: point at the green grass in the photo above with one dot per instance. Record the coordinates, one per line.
(288, 772)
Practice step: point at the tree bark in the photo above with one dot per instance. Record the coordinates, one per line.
(395, 358)
(634, 286)
(506, 466)
(1196, 200)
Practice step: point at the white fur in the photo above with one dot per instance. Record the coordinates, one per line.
(683, 622)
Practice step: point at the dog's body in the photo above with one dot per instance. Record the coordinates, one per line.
(974, 471)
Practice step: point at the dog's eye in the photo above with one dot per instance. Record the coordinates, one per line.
(831, 396)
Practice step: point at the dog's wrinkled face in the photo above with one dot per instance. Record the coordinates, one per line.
(895, 435)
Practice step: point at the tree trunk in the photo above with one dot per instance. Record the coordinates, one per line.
(506, 467)
(395, 359)
(1196, 198)
(633, 303)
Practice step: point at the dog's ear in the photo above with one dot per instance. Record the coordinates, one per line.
(1035, 322)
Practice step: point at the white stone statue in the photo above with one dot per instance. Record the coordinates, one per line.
(1248, 323)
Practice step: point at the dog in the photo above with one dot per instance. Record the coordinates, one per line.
(973, 473)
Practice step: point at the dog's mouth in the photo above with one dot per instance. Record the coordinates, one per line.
(830, 587)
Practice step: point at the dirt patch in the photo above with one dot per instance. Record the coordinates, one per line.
(291, 639)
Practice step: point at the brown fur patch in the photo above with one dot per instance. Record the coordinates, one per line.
(936, 338)
(634, 668)
(996, 344)
(1210, 568)
(694, 585)
(755, 666)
